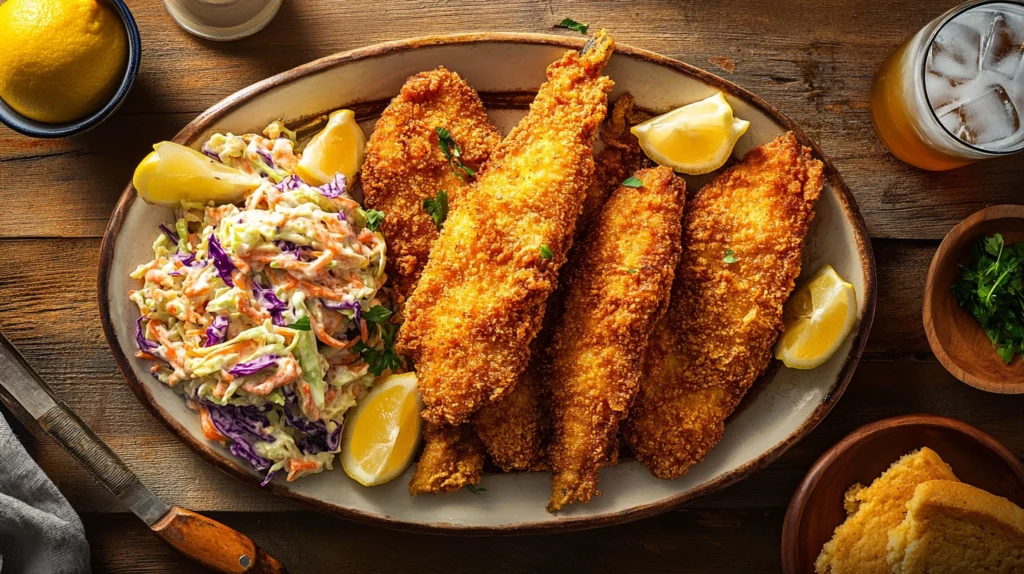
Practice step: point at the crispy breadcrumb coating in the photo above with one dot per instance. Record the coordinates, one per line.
(515, 429)
(452, 458)
(404, 164)
(716, 339)
(480, 300)
(618, 289)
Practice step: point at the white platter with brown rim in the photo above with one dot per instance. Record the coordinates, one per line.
(506, 69)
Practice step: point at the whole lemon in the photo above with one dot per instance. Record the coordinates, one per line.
(60, 60)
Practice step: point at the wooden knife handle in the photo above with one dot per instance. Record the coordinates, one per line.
(214, 545)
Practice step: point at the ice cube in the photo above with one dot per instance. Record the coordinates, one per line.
(941, 92)
(955, 53)
(985, 119)
(1004, 46)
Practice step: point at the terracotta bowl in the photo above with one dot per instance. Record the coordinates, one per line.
(817, 507)
(955, 336)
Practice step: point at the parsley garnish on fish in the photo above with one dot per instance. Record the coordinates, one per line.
(301, 325)
(437, 208)
(992, 289)
(545, 252)
(373, 219)
(633, 182)
(573, 25)
(453, 153)
(476, 489)
(632, 270)
(730, 257)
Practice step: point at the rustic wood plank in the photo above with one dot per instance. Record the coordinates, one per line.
(679, 542)
(816, 71)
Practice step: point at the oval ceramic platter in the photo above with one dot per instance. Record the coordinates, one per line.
(506, 69)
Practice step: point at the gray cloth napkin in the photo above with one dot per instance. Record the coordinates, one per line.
(39, 531)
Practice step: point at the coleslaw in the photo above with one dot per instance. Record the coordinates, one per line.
(268, 315)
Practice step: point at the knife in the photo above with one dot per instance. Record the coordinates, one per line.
(205, 541)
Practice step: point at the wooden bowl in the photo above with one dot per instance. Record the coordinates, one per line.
(817, 507)
(955, 336)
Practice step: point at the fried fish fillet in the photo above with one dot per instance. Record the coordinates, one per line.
(515, 428)
(452, 458)
(618, 289)
(480, 300)
(404, 164)
(743, 235)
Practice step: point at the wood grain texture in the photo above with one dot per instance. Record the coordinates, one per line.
(815, 63)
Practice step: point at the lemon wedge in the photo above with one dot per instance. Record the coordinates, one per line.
(694, 139)
(383, 431)
(172, 173)
(818, 317)
(338, 148)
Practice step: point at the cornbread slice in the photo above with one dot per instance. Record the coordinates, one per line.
(954, 527)
(858, 545)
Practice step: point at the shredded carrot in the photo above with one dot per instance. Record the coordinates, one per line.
(297, 467)
(210, 431)
(363, 331)
(324, 337)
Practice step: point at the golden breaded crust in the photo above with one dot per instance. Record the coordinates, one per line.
(480, 300)
(716, 339)
(452, 458)
(515, 428)
(618, 289)
(404, 164)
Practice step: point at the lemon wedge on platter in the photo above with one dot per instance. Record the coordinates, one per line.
(338, 148)
(172, 173)
(382, 431)
(818, 317)
(694, 139)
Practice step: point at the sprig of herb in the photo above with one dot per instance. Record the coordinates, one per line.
(437, 207)
(377, 314)
(476, 489)
(545, 252)
(992, 289)
(633, 182)
(730, 257)
(373, 219)
(573, 25)
(380, 360)
(453, 153)
(301, 325)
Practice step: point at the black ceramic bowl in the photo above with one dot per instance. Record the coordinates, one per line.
(20, 123)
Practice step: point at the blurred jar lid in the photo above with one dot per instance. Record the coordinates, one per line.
(222, 20)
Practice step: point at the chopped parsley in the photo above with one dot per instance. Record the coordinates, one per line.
(437, 207)
(380, 360)
(476, 489)
(632, 270)
(453, 153)
(373, 219)
(573, 25)
(730, 257)
(301, 325)
(545, 252)
(377, 314)
(633, 182)
(992, 289)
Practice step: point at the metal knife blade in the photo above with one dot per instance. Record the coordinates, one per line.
(21, 385)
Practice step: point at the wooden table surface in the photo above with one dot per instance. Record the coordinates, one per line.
(813, 60)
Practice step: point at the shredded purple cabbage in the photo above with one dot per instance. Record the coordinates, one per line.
(357, 311)
(144, 343)
(341, 216)
(302, 424)
(287, 247)
(320, 442)
(175, 273)
(217, 331)
(254, 366)
(266, 158)
(292, 182)
(270, 476)
(334, 438)
(187, 259)
(269, 301)
(243, 425)
(221, 260)
(170, 234)
(210, 153)
(335, 188)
